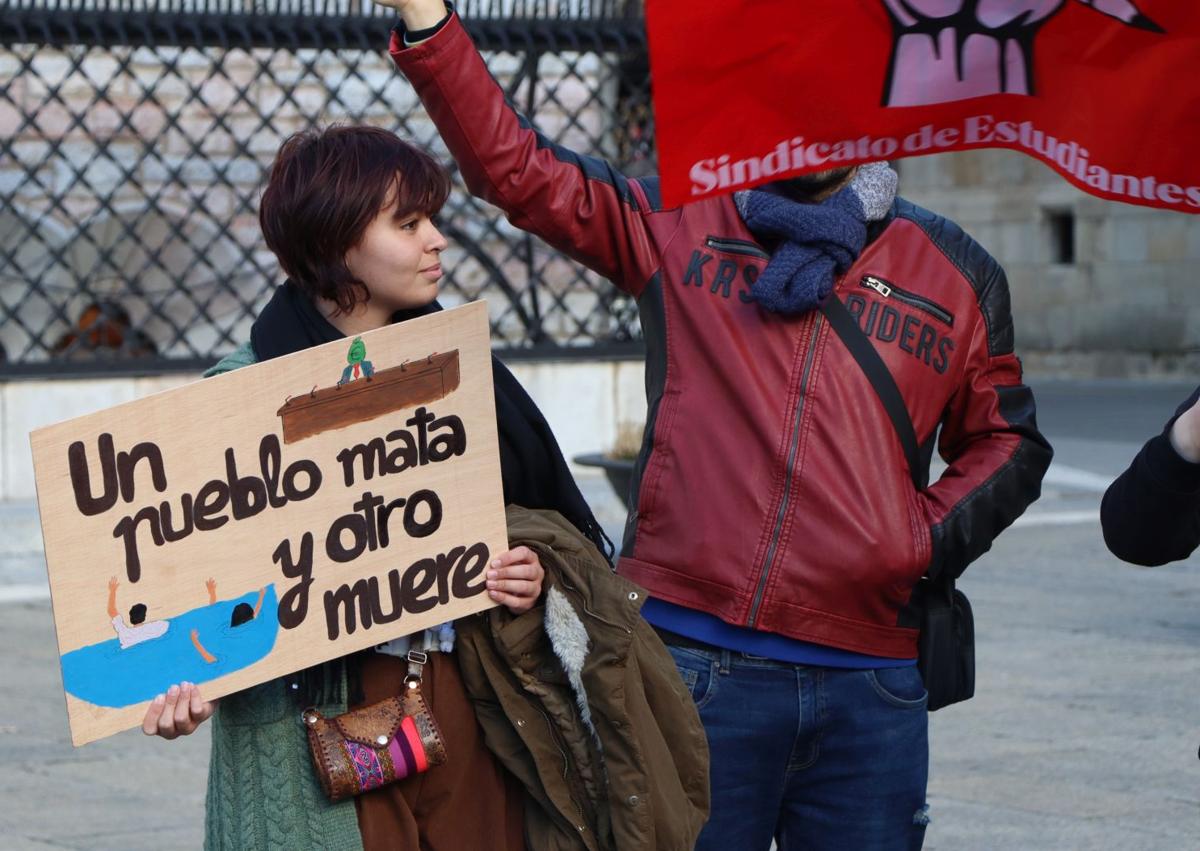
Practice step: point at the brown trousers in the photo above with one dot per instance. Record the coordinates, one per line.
(470, 803)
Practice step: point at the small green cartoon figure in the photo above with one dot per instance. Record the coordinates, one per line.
(357, 362)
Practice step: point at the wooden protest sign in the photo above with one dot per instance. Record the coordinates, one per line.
(258, 522)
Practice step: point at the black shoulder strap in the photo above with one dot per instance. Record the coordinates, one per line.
(877, 373)
(889, 394)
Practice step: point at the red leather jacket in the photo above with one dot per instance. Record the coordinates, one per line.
(771, 489)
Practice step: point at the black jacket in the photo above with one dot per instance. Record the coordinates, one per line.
(1151, 513)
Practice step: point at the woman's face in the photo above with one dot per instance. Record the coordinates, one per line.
(398, 258)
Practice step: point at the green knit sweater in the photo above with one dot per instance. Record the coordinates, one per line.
(263, 794)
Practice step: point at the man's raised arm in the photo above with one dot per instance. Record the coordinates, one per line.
(112, 597)
(581, 205)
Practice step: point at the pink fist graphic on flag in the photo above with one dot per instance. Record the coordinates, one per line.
(948, 50)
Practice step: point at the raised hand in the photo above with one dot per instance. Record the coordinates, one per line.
(947, 50)
(1185, 434)
(417, 14)
(112, 597)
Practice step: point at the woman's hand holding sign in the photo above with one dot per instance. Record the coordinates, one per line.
(514, 579)
(178, 712)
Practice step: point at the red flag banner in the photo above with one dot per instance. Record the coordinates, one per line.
(1107, 92)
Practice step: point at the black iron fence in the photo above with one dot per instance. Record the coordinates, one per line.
(135, 136)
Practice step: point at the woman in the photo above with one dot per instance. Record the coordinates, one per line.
(349, 213)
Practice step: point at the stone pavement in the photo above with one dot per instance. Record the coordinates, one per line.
(1083, 733)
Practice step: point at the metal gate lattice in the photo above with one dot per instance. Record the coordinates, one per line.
(135, 137)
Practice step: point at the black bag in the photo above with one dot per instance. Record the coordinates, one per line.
(946, 647)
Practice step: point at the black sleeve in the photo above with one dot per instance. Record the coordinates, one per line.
(414, 36)
(1151, 514)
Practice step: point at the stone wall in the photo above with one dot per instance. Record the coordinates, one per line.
(1098, 288)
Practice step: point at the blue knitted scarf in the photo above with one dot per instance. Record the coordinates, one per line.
(816, 242)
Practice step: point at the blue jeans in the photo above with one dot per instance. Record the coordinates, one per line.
(816, 758)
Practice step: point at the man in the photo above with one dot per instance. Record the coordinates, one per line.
(242, 613)
(1151, 513)
(775, 523)
(138, 629)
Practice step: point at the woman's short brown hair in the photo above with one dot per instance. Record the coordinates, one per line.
(326, 186)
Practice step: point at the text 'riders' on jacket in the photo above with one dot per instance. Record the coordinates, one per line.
(771, 489)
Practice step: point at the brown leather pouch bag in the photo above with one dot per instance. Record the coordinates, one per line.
(362, 750)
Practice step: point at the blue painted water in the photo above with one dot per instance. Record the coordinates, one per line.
(106, 675)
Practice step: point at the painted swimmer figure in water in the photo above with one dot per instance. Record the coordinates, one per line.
(138, 629)
(242, 613)
(197, 645)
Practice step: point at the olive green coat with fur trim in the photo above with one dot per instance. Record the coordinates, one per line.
(580, 699)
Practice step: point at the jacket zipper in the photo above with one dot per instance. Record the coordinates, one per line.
(890, 290)
(566, 760)
(562, 752)
(736, 246)
(788, 475)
